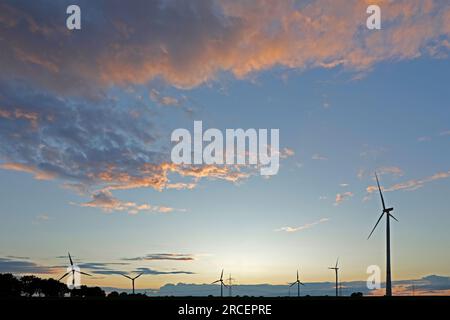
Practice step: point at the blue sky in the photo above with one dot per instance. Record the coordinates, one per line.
(84, 140)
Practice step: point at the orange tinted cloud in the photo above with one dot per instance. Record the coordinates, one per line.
(340, 197)
(412, 184)
(38, 173)
(189, 44)
(108, 203)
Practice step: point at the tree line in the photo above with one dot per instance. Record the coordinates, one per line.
(32, 286)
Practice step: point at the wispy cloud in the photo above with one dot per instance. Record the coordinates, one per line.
(340, 197)
(164, 100)
(303, 227)
(424, 139)
(108, 203)
(392, 170)
(149, 271)
(412, 184)
(164, 256)
(319, 157)
(37, 173)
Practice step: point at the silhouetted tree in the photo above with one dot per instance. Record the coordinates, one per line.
(30, 285)
(10, 286)
(87, 292)
(123, 294)
(113, 295)
(356, 294)
(53, 288)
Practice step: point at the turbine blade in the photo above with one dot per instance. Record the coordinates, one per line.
(126, 276)
(64, 276)
(393, 217)
(292, 284)
(86, 274)
(381, 193)
(379, 219)
(337, 261)
(140, 274)
(215, 281)
(302, 283)
(70, 258)
(297, 275)
(221, 275)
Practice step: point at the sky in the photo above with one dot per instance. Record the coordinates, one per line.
(86, 118)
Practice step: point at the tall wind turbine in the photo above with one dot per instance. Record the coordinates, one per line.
(222, 284)
(336, 269)
(132, 279)
(72, 271)
(386, 211)
(298, 285)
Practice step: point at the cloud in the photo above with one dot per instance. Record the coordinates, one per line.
(108, 203)
(164, 256)
(61, 113)
(22, 265)
(148, 271)
(189, 44)
(424, 139)
(445, 133)
(303, 227)
(286, 153)
(412, 184)
(122, 151)
(340, 197)
(395, 171)
(38, 174)
(105, 268)
(431, 285)
(164, 100)
(41, 218)
(318, 157)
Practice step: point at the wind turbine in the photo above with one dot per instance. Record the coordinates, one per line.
(298, 285)
(73, 269)
(386, 211)
(230, 284)
(336, 269)
(132, 279)
(222, 284)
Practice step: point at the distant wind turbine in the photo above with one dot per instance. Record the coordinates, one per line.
(336, 269)
(73, 270)
(386, 211)
(298, 285)
(222, 284)
(132, 279)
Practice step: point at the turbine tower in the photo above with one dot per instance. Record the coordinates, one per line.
(298, 285)
(336, 269)
(132, 279)
(222, 284)
(72, 271)
(386, 211)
